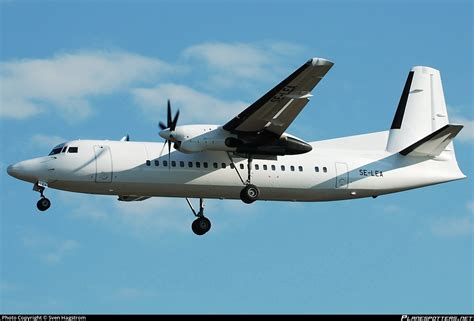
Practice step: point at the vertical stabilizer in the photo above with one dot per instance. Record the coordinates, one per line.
(421, 110)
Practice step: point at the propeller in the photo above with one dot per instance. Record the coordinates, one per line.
(171, 122)
(169, 127)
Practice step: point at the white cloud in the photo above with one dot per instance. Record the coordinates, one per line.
(453, 226)
(232, 63)
(467, 133)
(93, 207)
(48, 248)
(149, 217)
(63, 248)
(67, 82)
(42, 141)
(470, 206)
(391, 209)
(129, 293)
(241, 60)
(155, 216)
(194, 106)
(8, 287)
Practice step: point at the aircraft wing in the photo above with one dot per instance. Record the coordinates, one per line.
(276, 110)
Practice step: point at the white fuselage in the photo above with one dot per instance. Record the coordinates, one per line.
(345, 168)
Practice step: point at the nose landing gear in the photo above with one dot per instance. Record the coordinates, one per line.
(43, 204)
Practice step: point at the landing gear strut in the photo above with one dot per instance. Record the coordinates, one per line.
(201, 224)
(43, 204)
(250, 192)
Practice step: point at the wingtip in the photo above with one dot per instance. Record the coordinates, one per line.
(316, 61)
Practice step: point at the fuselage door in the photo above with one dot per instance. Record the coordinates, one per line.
(103, 164)
(342, 175)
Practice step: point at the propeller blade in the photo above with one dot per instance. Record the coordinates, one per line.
(169, 154)
(171, 125)
(162, 149)
(175, 121)
(169, 115)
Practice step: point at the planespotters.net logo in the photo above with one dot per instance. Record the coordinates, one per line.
(436, 318)
(44, 318)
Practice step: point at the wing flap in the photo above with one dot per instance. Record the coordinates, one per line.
(433, 144)
(277, 109)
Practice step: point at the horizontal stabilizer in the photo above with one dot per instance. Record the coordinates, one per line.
(433, 144)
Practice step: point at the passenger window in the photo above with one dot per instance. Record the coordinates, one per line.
(300, 168)
(190, 164)
(282, 168)
(165, 163)
(148, 163)
(198, 164)
(72, 150)
(316, 169)
(325, 169)
(257, 167)
(215, 165)
(204, 164)
(273, 167)
(173, 163)
(157, 163)
(264, 167)
(232, 165)
(223, 165)
(181, 164)
(241, 166)
(292, 168)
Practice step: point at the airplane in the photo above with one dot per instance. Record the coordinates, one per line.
(252, 157)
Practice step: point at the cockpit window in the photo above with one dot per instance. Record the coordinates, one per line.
(72, 150)
(57, 149)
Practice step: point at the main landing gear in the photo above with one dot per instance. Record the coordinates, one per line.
(250, 192)
(201, 224)
(43, 204)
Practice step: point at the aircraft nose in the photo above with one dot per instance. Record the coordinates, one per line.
(12, 170)
(26, 170)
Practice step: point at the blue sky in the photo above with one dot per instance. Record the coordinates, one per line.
(102, 69)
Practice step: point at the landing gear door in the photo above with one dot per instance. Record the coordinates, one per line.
(103, 164)
(342, 175)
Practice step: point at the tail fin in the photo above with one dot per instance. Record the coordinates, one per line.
(421, 110)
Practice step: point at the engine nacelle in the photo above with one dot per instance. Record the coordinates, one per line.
(195, 139)
(286, 145)
(198, 138)
(199, 145)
